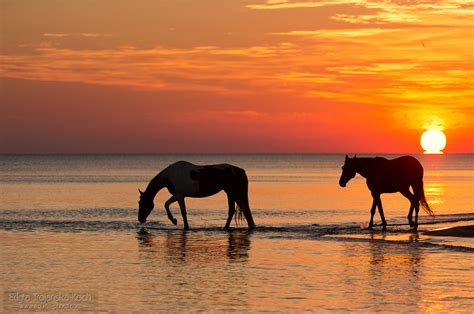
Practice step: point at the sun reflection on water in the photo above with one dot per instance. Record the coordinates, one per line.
(435, 192)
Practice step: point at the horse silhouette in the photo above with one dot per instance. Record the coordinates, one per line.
(184, 179)
(389, 176)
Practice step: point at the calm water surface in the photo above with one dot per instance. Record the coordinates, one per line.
(68, 224)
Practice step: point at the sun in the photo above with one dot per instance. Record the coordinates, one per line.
(433, 141)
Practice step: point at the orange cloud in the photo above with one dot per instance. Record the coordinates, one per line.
(285, 4)
(407, 60)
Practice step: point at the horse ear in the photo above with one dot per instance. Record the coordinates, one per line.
(347, 157)
(355, 156)
(141, 193)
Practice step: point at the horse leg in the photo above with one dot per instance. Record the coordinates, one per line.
(182, 206)
(168, 212)
(417, 209)
(379, 205)
(231, 211)
(372, 213)
(245, 207)
(419, 200)
(411, 198)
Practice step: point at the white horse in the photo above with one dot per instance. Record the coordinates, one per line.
(184, 179)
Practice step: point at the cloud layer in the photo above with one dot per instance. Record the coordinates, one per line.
(411, 59)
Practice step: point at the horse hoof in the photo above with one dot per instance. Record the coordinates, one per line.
(174, 221)
(412, 224)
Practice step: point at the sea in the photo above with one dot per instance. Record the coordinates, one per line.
(70, 239)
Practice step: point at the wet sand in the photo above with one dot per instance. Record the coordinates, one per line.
(458, 231)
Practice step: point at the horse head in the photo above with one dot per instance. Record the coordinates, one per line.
(348, 171)
(145, 206)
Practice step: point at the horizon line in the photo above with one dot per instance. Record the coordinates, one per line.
(226, 153)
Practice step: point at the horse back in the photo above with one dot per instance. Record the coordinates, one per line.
(405, 166)
(215, 178)
(398, 173)
(191, 180)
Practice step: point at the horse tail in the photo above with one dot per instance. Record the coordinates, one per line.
(425, 206)
(420, 195)
(239, 215)
(242, 199)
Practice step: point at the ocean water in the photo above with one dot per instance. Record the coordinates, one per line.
(68, 224)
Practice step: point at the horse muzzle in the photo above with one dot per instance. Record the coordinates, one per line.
(342, 184)
(141, 219)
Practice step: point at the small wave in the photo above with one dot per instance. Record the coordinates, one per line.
(109, 213)
(416, 243)
(66, 225)
(51, 221)
(124, 219)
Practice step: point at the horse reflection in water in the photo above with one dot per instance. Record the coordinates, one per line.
(196, 247)
(184, 179)
(389, 176)
(404, 262)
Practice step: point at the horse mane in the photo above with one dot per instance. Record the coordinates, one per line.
(366, 165)
(155, 185)
(371, 160)
(380, 159)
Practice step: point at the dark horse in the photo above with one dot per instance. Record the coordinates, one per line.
(184, 179)
(389, 176)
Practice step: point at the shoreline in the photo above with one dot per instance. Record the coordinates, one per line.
(457, 231)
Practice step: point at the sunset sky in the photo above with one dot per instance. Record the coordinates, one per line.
(143, 76)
